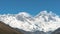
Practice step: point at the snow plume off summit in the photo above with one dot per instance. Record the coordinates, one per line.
(44, 21)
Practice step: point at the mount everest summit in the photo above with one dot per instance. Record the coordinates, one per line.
(44, 21)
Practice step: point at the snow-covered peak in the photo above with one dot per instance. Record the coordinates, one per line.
(45, 13)
(44, 21)
(41, 13)
(47, 21)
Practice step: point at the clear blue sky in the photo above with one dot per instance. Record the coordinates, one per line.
(31, 6)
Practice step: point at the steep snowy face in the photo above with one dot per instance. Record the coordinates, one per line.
(44, 21)
(47, 21)
(22, 21)
(23, 16)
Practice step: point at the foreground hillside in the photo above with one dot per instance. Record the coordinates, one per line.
(5, 29)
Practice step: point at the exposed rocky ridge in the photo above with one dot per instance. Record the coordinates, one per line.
(57, 31)
(5, 29)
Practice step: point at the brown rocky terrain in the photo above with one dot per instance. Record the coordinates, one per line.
(5, 29)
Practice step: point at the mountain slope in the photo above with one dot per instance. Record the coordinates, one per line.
(44, 21)
(57, 31)
(5, 29)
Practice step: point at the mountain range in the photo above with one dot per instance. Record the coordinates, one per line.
(44, 22)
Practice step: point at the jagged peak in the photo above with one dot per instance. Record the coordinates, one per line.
(45, 13)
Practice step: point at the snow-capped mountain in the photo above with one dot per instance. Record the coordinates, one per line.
(47, 21)
(43, 21)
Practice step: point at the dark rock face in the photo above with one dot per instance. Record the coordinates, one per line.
(5, 29)
(35, 32)
(56, 31)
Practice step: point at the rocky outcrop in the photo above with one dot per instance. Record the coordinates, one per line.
(56, 31)
(5, 29)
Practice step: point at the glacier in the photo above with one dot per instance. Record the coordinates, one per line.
(44, 21)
